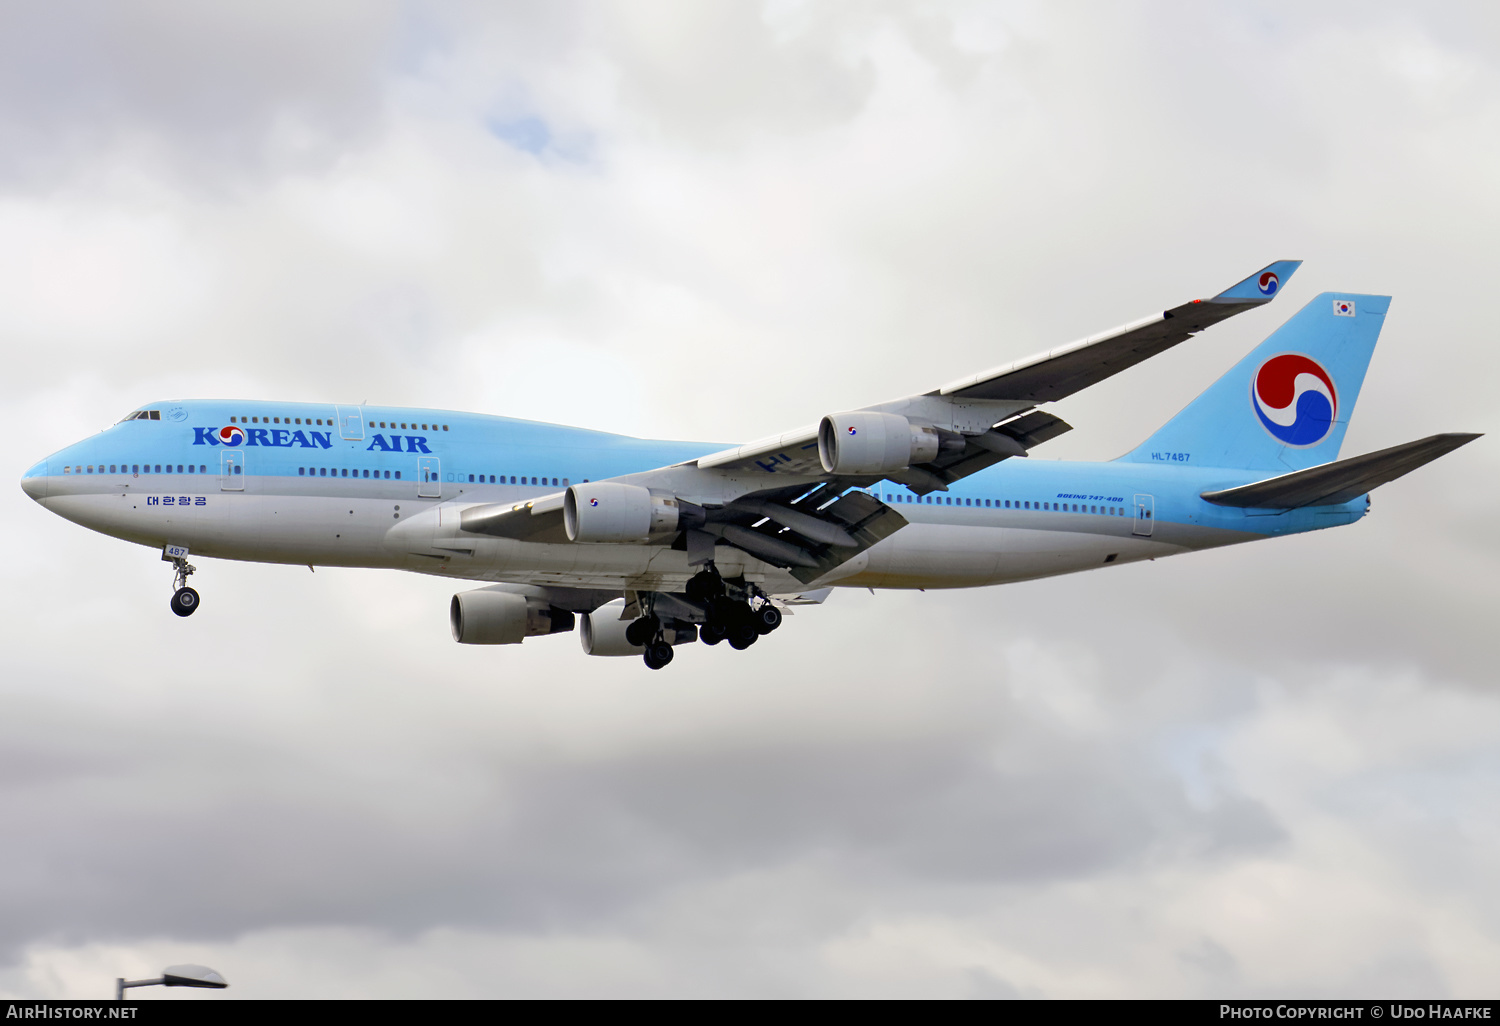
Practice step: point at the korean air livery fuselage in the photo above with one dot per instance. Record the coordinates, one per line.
(659, 543)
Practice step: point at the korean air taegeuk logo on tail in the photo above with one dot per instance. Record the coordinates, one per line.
(1295, 399)
(1268, 284)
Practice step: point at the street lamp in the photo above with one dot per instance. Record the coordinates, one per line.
(176, 976)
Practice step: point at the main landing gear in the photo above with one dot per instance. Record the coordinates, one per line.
(184, 599)
(647, 631)
(739, 615)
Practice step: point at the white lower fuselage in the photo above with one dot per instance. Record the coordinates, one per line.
(941, 547)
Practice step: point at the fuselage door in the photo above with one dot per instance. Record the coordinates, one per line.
(429, 481)
(351, 423)
(1145, 515)
(232, 470)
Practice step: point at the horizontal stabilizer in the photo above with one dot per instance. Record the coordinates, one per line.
(1334, 483)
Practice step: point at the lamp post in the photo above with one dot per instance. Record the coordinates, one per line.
(175, 976)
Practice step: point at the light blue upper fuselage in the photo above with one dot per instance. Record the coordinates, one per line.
(385, 449)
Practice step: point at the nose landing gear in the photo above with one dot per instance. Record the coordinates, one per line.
(184, 599)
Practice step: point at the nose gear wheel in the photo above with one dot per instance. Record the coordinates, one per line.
(185, 600)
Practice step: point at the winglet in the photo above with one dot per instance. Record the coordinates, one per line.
(1262, 286)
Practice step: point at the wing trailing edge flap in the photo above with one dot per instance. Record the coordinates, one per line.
(809, 534)
(1340, 481)
(1012, 438)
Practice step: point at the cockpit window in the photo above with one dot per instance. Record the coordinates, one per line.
(141, 415)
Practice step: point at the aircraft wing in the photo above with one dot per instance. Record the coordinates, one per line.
(792, 499)
(967, 411)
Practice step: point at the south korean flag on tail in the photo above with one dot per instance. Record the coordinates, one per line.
(1343, 308)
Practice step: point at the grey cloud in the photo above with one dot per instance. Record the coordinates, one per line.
(785, 211)
(210, 85)
(204, 831)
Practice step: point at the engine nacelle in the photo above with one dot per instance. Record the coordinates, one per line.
(609, 511)
(603, 632)
(873, 443)
(493, 617)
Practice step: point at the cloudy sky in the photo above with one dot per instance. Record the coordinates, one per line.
(1267, 771)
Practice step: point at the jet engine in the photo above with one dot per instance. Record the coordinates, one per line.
(874, 443)
(490, 616)
(603, 632)
(610, 511)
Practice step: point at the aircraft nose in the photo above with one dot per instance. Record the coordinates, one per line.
(34, 481)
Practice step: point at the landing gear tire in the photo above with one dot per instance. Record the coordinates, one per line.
(767, 618)
(658, 654)
(742, 636)
(641, 631)
(712, 633)
(184, 601)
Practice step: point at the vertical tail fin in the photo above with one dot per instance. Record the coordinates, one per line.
(1286, 406)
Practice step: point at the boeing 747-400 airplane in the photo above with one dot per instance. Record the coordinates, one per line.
(656, 544)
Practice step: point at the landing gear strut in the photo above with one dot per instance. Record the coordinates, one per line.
(642, 631)
(184, 599)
